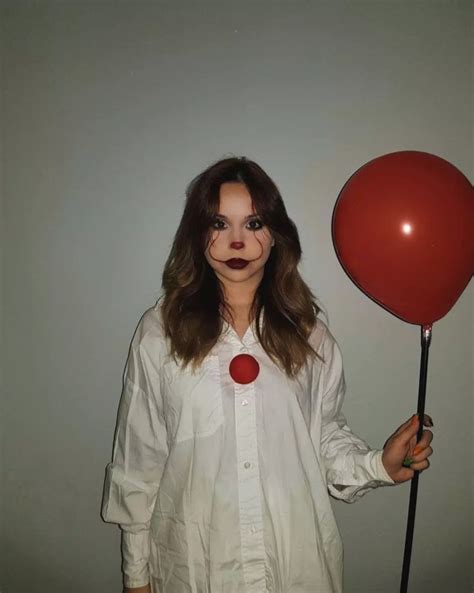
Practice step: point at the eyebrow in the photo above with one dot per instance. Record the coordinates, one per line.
(246, 218)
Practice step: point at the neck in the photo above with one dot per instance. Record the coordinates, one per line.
(240, 307)
(240, 295)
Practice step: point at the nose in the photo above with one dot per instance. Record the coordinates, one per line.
(237, 245)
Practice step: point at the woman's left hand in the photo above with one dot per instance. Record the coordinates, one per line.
(402, 445)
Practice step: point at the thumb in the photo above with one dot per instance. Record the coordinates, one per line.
(404, 426)
(409, 431)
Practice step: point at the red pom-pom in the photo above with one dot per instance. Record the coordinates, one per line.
(244, 368)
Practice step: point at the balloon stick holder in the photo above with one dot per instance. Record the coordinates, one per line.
(425, 345)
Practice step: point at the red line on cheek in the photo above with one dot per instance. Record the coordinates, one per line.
(210, 247)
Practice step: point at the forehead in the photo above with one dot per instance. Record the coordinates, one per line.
(235, 199)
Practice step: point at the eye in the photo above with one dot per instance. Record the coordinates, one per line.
(216, 222)
(259, 224)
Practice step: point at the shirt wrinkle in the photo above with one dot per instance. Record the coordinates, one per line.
(225, 487)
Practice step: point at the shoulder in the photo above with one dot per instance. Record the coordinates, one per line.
(324, 342)
(321, 337)
(149, 334)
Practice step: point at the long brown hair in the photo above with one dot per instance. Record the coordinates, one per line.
(193, 296)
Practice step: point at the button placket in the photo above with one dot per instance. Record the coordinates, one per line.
(250, 509)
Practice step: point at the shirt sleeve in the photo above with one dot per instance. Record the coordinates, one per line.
(139, 455)
(352, 467)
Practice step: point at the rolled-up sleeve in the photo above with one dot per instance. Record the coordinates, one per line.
(139, 455)
(352, 467)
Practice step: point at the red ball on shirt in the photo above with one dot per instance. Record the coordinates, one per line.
(244, 368)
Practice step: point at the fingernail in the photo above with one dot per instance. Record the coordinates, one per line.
(416, 450)
(414, 420)
(430, 421)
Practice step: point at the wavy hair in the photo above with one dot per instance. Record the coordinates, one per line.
(193, 300)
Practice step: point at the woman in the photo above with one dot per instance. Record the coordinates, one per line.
(222, 484)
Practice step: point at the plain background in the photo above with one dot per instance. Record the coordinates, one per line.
(108, 110)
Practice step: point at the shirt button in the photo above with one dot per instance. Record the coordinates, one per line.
(253, 529)
(247, 464)
(245, 402)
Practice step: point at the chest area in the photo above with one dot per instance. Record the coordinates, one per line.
(202, 403)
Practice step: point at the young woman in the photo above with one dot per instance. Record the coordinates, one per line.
(221, 482)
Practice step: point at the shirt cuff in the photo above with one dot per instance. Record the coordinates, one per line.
(135, 558)
(381, 472)
(362, 471)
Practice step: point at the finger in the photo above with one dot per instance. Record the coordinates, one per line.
(420, 466)
(427, 420)
(422, 455)
(407, 474)
(424, 441)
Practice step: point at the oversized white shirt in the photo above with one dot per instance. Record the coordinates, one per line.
(221, 487)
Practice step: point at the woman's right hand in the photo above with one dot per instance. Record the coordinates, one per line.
(145, 589)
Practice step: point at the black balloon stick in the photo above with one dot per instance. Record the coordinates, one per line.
(425, 344)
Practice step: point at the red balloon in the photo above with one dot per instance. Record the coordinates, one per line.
(244, 368)
(403, 230)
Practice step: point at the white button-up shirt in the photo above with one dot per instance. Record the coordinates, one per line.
(221, 487)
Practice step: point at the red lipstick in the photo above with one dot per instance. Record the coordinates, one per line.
(236, 264)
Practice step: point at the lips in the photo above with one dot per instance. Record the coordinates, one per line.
(236, 263)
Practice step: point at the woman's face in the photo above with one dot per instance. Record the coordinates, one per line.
(237, 233)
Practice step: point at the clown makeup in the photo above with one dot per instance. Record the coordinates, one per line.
(239, 243)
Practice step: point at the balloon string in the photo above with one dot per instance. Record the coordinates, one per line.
(425, 344)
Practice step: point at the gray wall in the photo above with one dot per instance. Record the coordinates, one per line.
(109, 109)
(2, 241)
